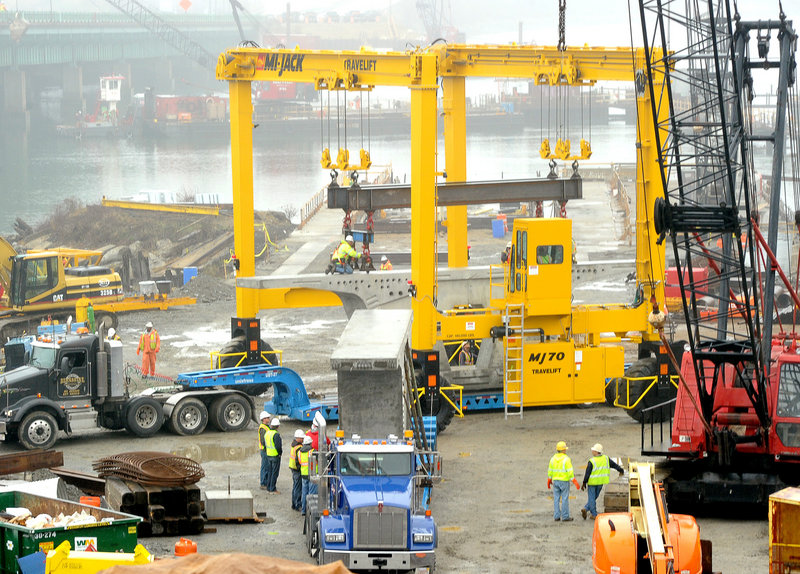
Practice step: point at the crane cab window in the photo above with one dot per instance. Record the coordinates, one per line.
(549, 254)
(36, 276)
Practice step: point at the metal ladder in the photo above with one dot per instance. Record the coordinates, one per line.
(512, 372)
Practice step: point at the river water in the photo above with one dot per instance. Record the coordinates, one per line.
(41, 170)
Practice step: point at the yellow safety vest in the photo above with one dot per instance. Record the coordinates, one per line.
(560, 467)
(344, 251)
(600, 470)
(266, 430)
(153, 340)
(386, 266)
(293, 456)
(302, 458)
(271, 450)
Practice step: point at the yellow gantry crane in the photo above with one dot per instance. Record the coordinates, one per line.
(576, 330)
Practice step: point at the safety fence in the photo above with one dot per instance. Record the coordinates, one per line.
(312, 206)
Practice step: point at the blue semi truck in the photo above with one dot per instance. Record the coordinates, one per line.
(373, 507)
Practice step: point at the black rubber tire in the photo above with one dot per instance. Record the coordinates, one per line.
(144, 417)
(38, 430)
(189, 417)
(442, 409)
(230, 413)
(237, 345)
(657, 395)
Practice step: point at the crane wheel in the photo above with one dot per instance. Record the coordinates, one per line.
(236, 346)
(440, 408)
(658, 394)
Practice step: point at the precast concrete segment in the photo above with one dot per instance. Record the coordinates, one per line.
(389, 289)
(370, 362)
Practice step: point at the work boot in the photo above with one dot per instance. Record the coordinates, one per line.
(557, 519)
(584, 513)
(569, 519)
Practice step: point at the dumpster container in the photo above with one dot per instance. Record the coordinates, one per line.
(116, 531)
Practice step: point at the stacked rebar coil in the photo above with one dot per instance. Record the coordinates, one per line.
(155, 468)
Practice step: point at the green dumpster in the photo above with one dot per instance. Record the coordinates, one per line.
(114, 531)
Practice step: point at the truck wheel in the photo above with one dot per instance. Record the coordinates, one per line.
(237, 345)
(38, 430)
(442, 409)
(144, 417)
(189, 417)
(230, 413)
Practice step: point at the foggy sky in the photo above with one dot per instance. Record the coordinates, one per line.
(592, 22)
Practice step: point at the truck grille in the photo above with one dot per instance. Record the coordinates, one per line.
(386, 529)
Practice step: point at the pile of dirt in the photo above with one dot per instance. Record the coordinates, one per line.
(207, 289)
(146, 243)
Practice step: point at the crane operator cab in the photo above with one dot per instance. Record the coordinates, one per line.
(540, 270)
(544, 362)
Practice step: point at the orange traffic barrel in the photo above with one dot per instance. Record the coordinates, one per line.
(90, 500)
(185, 546)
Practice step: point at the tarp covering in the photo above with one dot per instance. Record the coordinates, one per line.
(229, 564)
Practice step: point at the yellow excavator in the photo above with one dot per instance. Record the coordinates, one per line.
(44, 284)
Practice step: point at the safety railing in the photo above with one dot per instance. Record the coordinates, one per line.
(659, 415)
(312, 206)
(673, 379)
(274, 358)
(458, 404)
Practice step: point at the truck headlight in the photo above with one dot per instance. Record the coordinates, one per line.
(423, 538)
(335, 537)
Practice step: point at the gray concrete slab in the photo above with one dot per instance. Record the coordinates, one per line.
(387, 331)
(224, 504)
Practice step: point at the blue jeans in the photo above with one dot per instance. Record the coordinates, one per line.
(297, 490)
(313, 487)
(560, 499)
(342, 268)
(263, 475)
(304, 492)
(273, 468)
(592, 491)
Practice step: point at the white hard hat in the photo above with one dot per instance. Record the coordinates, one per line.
(508, 245)
(349, 238)
(263, 415)
(598, 448)
(111, 332)
(275, 422)
(299, 433)
(307, 440)
(383, 257)
(148, 325)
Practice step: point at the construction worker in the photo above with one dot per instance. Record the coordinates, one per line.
(597, 470)
(263, 429)
(465, 356)
(274, 450)
(112, 335)
(3, 7)
(506, 255)
(150, 345)
(303, 456)
(559, 475)
(294, 466)
(341, 257)
(386, 265)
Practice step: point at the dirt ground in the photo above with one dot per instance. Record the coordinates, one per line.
(493, 508)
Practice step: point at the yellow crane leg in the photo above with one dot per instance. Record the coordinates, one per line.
(241, 107)
(455, 146)
(423, 202)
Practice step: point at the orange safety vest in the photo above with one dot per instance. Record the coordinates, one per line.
(386, 266)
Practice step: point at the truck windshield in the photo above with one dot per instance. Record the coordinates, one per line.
(373, 464)
(43, 357)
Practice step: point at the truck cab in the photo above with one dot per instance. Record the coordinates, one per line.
(68, 384)
(373, 508)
